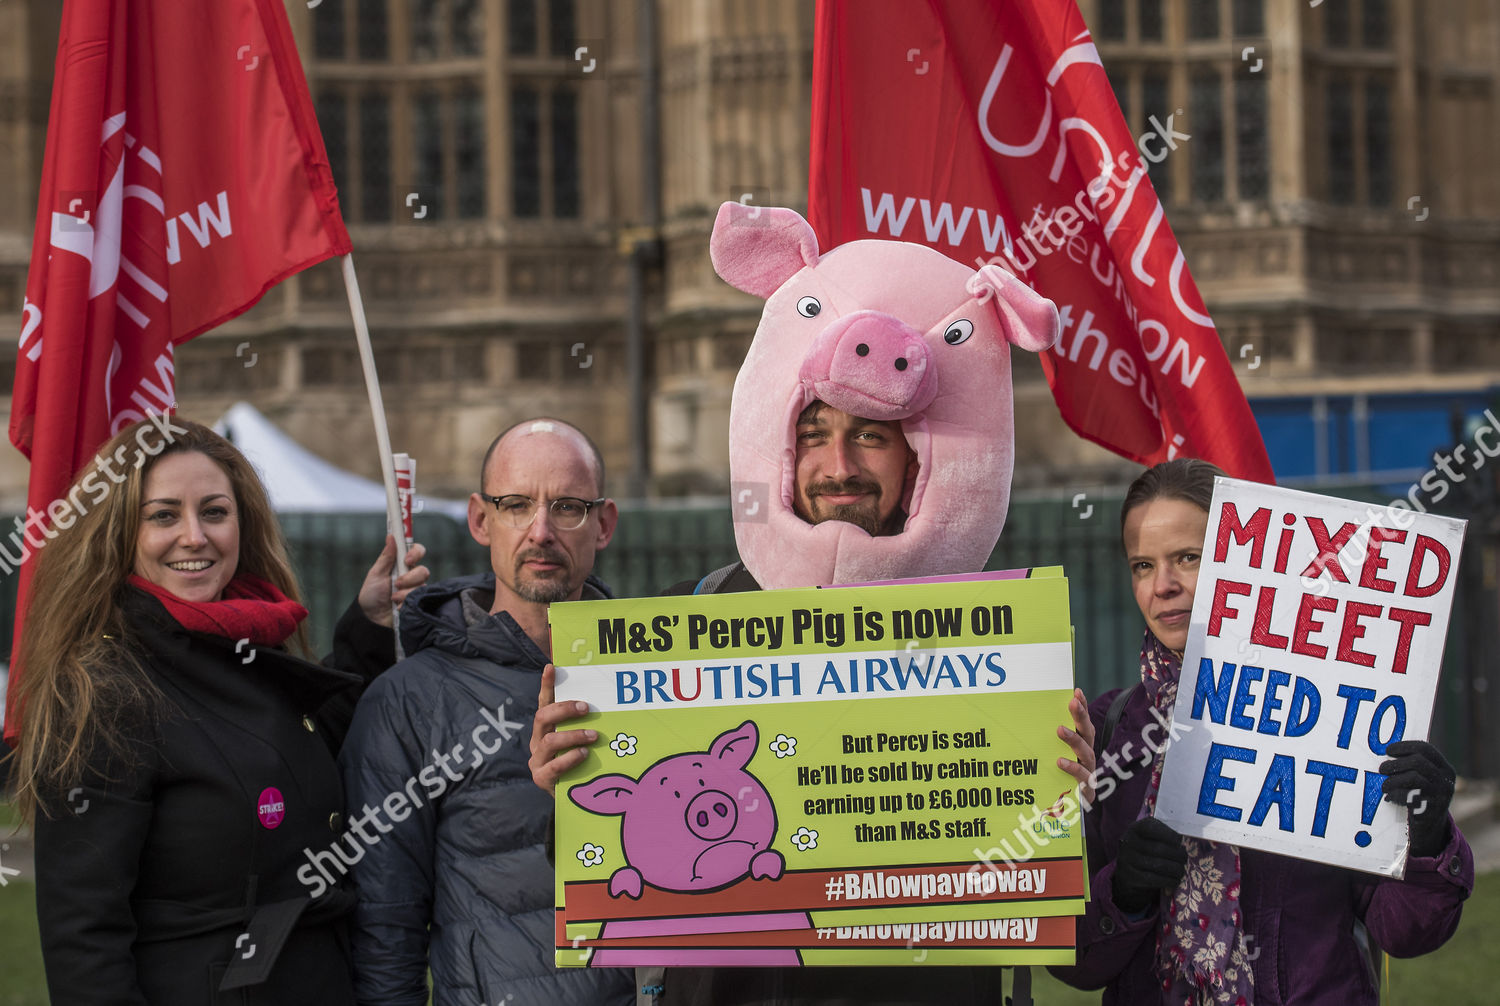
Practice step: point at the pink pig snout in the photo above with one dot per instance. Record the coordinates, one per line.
(872, 365)
(712, 815)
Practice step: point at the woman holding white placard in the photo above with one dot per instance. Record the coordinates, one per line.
(1186, 921)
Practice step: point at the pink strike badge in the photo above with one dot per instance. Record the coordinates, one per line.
(271, 807)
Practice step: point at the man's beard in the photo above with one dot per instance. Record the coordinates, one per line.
(864, 514)
(542, 590)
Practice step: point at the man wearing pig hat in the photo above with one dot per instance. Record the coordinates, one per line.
(872, 421)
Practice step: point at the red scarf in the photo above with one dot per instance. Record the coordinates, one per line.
(252, 609)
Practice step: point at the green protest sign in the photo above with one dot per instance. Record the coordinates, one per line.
(859, 752)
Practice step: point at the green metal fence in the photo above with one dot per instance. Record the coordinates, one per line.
(655, 548)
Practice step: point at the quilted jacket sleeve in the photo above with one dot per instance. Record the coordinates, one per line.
(386, 771)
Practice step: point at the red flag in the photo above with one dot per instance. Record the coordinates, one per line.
(990, 133)
(184, 177)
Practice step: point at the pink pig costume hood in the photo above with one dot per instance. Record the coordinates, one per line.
(885, 330)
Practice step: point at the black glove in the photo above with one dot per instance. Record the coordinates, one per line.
(1151, 859)
(1420, 778)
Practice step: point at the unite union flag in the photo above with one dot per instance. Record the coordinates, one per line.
(184, 176)
(990, 132)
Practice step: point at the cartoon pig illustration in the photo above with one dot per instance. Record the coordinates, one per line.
(693, 822)
(885, 330)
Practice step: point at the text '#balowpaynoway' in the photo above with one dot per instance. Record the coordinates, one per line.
(956, 885)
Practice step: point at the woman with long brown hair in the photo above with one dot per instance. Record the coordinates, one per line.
(177, 748)
(1175, 920)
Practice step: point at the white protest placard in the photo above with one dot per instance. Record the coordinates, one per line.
(1316, 639)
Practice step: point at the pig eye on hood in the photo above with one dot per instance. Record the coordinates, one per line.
(809, 307)
(958, 332)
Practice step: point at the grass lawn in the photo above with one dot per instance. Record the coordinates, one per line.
(21, 982)
(1462, 973)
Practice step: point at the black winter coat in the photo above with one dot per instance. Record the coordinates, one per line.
(159, 877)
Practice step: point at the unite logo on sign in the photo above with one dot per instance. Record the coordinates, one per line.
(206, 218)
(99, 234)
(124, 236)
(1149, 212)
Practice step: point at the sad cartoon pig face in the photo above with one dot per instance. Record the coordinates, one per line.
(693, 822)
(882, 330)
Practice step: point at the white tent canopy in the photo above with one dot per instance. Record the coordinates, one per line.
(297, 480)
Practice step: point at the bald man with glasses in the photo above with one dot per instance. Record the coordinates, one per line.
(453, 877)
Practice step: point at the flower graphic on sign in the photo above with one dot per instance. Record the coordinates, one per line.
(590, 854)
(804, 839)
(623, 745)
(783, 746)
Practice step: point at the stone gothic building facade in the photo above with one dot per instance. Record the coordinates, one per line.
(530, 186)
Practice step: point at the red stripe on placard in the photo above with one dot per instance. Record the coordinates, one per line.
(1050, 934)
(827, 890)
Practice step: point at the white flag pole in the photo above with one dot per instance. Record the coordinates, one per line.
(377, 412)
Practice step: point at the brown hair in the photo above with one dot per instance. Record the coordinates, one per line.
(1188, 479)
(82, 677)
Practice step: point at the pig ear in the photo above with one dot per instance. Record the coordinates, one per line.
(736, 746)
(1028, 319)
(758, 248)
(608, 794)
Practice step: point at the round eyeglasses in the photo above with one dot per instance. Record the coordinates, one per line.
(567, 512)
